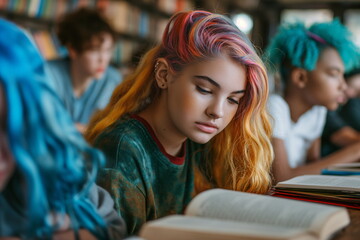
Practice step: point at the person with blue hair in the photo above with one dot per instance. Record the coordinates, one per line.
(47, 170)
(311, 62)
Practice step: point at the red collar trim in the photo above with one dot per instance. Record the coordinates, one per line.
(175, 160)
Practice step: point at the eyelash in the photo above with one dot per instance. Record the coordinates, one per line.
(203, 91)
(233, 101)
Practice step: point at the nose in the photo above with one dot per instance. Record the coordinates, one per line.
(215, 109)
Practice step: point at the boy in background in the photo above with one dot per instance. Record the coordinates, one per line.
(84, 80)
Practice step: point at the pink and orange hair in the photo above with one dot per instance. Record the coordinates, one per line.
(239, 157)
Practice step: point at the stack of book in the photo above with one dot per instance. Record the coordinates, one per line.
(334, 190)
(343, 169)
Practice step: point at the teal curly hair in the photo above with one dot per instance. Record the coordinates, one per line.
(298, 46)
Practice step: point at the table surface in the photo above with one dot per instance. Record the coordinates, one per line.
(352, 231)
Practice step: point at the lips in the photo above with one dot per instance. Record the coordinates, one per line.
(341, 99)
(206, 127)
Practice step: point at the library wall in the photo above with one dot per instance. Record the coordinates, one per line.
(139, 24)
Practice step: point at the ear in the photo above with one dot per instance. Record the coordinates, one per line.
(161, 71)
(299, 77)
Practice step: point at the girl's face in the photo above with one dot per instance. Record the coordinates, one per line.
(204, 97)
(7, 163)
(325, 85)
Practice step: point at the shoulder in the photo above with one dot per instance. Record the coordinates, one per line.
(113, 75)
(127, 148)
(58, 73)
(58, 69)
(278, 107)
(317, 113)
(280, 116)
(127, 138)
(124, 129)
(277, 101)
(58, 63)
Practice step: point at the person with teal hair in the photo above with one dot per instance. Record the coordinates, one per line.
(311, 62)
(47, 170)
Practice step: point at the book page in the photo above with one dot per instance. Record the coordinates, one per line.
(323, 182)
(261, 209)
(190, 227)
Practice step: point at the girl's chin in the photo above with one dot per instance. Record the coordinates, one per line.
(201, 139)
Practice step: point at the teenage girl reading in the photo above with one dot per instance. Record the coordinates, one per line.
(191, 117)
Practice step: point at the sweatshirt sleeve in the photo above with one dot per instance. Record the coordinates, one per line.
(105, 207)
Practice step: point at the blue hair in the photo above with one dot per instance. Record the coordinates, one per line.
(54, 161)
(298, 46)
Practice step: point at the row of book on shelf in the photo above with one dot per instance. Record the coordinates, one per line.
(306, 207)
(46, 9)
(124, 16)
(138, 23)
(51, 9)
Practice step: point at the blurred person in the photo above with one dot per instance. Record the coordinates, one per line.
(311, 62)
(47, 170)
(84, 80)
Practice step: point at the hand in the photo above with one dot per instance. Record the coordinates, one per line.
(81, 127)
(62, 221)
(64, 232)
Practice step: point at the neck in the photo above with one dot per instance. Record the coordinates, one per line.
(297, 104)
(163, 127)
(80, 80)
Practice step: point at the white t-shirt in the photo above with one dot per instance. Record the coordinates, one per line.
(297, 136)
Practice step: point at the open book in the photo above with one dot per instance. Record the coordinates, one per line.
(336, 190)
(226, 215)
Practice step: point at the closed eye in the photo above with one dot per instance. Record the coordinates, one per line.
(233, 101)
(202, 90)
(335, 75)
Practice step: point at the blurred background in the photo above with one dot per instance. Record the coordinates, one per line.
(140, 23)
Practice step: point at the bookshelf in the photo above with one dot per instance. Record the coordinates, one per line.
(138, 23)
